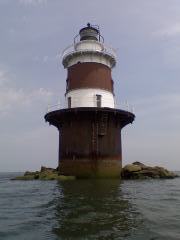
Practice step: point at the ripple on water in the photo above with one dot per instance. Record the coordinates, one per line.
(89, 209)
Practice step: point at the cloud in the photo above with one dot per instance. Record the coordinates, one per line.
(168, 103)
(15, 98)
(3, 77)
(32, 2)
(168, 43)
(45, 59)
(171, 31)
(154, 136)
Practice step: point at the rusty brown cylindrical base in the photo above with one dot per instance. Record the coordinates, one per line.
(90, 140)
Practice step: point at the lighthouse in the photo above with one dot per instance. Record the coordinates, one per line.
(89, 124)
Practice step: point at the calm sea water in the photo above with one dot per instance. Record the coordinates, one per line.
(89, 209)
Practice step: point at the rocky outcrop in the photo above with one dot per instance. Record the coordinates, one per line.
(44, 174)
(135, 170)
(139, 170)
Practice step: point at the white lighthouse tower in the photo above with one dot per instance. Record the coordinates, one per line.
(89, 125)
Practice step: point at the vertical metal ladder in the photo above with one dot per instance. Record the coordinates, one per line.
(95, 137)
(103, 124)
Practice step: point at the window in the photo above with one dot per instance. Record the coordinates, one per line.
(67, 84)
(98, 100)
(69, 102)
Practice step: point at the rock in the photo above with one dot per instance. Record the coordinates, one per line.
(164, 173)
(129, 170)
(148, 173)
(44, 174)
(138, 164)
(143, 166)
(139, 170)
(45, 169)
(27, 173)
(132, 168)
(27, 177)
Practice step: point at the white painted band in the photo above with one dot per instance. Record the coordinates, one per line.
(88, 98)
(89, 57)
(89, 51)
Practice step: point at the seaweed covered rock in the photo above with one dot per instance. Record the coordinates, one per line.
(136, 170)
(139, 170)
(132, 168)
(44, 174)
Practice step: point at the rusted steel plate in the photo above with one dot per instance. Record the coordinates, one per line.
(90, 140)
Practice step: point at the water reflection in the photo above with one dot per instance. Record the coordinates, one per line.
(93, 209)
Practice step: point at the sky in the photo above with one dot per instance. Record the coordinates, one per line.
(146, 37)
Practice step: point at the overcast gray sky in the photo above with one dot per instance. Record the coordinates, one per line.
(146, 36)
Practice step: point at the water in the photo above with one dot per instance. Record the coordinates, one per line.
(89, 209)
